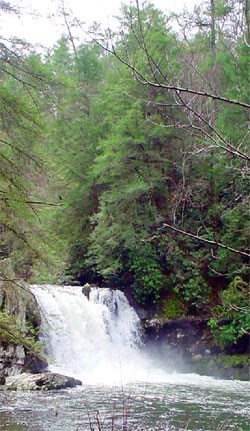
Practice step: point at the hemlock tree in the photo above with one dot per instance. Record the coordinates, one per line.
(24, 99)
(21, 125)
(200, 102)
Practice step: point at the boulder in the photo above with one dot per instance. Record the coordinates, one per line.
(86, 290)
(40, 382)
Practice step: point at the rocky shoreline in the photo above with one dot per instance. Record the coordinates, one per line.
(39, 382)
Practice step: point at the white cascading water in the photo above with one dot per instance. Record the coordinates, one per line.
(95, 339)
(98, 340)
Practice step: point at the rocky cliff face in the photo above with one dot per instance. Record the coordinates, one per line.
(190, 336)
(189, 345)
(16, 300)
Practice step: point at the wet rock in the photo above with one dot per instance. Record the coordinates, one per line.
(86, 290)
(196, 358)
(1, 300)
(224, 366)
(17, 300)
(12, 359)
(190, 336)
(190, 345)
(40, 382)
(16, 297)
(34, 364)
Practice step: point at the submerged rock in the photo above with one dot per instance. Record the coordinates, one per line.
(40, 382)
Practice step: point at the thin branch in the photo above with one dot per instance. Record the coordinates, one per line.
(207, 241)
(158, 84)
(177, 88)
(21, 151)
(25, 201)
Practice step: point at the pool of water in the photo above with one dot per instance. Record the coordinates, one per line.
(185, 402)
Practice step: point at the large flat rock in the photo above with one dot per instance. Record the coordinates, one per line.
(40, 382)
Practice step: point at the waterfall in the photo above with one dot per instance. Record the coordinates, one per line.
(97, 339)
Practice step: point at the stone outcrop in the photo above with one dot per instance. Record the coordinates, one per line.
(40, 382)
(188, 344)
(86, 290)
(17, 300)
(12, 359)
(190, 336)
(15, 296)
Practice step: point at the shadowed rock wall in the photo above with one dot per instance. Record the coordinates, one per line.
(189, 344)
(16, 300)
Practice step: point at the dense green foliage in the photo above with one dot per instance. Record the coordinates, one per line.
(126, 153)
(234, 307)
(23, 96)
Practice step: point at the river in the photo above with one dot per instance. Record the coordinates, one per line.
(99, 341)
(202, 404)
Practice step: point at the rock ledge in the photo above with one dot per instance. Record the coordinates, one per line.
(40, 382)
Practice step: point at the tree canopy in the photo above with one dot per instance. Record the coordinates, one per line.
(124, 159)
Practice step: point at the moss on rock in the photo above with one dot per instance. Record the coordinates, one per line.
(234, 367)
(19, 323)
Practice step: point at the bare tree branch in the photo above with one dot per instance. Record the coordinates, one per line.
(207, 241)
(146, 81)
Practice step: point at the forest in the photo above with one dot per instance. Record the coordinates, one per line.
(124, 160)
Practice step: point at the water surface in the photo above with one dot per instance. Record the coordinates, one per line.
(198, 404)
